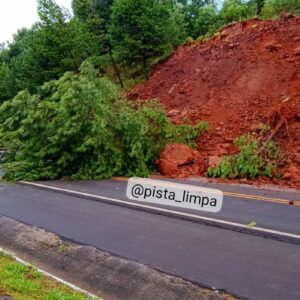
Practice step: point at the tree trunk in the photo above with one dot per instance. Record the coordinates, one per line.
(145, 68)
(115, 67)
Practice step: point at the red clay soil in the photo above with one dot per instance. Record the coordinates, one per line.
(246, 75)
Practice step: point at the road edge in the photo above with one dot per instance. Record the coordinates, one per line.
(101, 273)
(233, 226)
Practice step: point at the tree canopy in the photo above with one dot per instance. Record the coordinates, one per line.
(143, 29)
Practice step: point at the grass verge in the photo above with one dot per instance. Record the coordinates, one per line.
(22, 282)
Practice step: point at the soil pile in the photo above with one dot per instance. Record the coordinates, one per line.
(245, 76)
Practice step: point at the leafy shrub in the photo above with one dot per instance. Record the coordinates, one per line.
(189, 41)
(80, 127)
(272, 8)
(186, 134)
(254, 159)
(236, 10)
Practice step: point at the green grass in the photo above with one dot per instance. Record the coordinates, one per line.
(25, 283)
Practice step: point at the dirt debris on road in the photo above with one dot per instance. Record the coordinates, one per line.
(245, 77)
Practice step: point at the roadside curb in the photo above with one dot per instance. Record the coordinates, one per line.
(102, 273)
(237, 227)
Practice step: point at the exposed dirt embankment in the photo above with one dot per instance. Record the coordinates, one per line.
(246, 76)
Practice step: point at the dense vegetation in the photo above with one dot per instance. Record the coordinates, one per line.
(80, 127)
(256, 158)
(62, 114)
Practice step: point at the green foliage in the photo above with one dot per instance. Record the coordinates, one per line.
(82, 9)
(6, 86)
(79, 127)
(187, 134)
(272, 8)
(144, 29)
(236, 10)
(192, 10)
(255, 158)
(207, 21)
(103, 9)
(46, 51)
(259, 4)
(50, 13)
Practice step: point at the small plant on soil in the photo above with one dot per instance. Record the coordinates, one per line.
(256, 158)
(265, 128)
(187, 134)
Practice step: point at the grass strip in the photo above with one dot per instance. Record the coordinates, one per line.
(22, 282)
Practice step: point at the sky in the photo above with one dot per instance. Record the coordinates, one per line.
(15, 14)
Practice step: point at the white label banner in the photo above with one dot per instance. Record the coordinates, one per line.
(174, 194)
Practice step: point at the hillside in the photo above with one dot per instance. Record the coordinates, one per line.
(243, 77)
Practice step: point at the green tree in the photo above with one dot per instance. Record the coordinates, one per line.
(207, 21)
(259, 6)
(6, 82)
(49, 49)
(95, 15)
(144, 29)
(103, 8)
(82, 9)
(236, 10)
(8, 85)
(49, 12)
(272, 8)
(192, 11)
(80, 127)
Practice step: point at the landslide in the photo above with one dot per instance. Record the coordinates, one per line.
(247, 75)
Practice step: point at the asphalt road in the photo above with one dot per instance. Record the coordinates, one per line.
(267, 214)
(249, 266)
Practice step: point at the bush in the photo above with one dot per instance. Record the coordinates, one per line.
(254, 159)
(80, 127)
(236, 10)
(272, 8)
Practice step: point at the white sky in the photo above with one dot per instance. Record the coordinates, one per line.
(15, 14)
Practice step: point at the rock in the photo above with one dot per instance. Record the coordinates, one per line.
(296, 51)
(227, 146)
(172, 89)
(287, 175)
(180, 160)
(292, 173)
(167, 168)
(228, 139)
(173, 112)
(272, 47)
(256, 127)
(177, 154)
(214, 161)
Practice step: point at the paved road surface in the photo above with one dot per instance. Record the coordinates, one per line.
(269, 214)
(250, 266)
